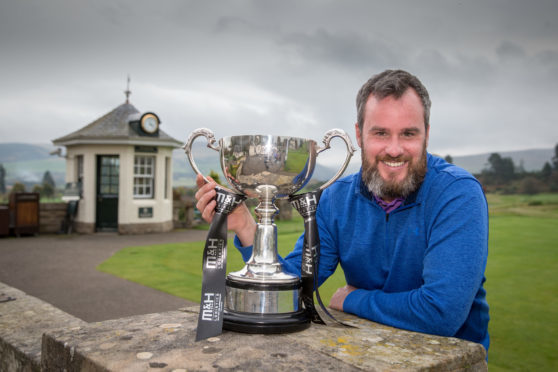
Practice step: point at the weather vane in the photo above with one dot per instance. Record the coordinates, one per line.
(127, 92)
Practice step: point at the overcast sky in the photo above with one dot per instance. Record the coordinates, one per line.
(280, 67)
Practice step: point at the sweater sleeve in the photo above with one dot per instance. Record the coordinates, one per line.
(453, 267)
(245, 252)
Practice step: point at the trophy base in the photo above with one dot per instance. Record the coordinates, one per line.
(265, 323)
(256, 307)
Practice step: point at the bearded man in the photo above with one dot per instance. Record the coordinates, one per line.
(409, 230)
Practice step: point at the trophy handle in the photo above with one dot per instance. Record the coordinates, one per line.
(211, 143)
(350, 150)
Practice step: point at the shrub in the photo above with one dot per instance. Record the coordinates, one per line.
(531, 186)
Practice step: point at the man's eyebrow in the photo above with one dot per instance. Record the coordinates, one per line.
(407, 129)
(411, 129)
(376, 127)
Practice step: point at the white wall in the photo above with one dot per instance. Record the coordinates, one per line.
(127, 204)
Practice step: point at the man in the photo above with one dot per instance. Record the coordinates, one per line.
(409, 230)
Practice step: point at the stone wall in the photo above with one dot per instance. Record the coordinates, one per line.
(35, 336)
(23, 320)
(183, 212)
(144, 228)
(84, 227)
(52, 215)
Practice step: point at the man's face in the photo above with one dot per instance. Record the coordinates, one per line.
(393, 142)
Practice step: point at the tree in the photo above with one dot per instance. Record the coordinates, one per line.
(521, 167)
(553, 182)
(530, 185)
(2, 179)
(38, 189)
(555, 158)
(47, 187)
(449, 159)
(546, 171)
(18, 187)
(48, 180)
(47, 191)
(501, 169)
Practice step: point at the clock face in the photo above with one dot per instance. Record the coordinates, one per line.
(149, 123)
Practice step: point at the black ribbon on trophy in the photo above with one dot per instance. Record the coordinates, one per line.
(307, 204)
(210, 320)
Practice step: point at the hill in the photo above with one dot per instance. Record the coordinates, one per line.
(27, 163)
(16, 152)
(530, 160)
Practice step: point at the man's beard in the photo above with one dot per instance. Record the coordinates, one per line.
(390, 189)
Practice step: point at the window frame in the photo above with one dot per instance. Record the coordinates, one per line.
(144, 181)
(167, 176)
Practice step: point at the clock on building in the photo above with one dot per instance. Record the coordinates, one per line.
(149, 123)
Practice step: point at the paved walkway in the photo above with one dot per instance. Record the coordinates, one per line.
(61, 270)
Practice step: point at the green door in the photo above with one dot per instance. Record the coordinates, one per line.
(107, 192)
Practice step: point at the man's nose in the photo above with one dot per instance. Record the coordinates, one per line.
(394, 148)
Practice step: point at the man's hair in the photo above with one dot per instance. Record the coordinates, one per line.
(391, 83)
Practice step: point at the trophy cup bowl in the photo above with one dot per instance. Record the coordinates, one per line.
(262, 298)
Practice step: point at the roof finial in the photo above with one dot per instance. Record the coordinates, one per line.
(127, 92)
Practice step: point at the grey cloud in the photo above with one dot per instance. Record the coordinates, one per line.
(233, 24)
(346, 50)
(549, 59)
(510, 50)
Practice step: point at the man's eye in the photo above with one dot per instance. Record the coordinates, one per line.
(409, 134)
(380, 133)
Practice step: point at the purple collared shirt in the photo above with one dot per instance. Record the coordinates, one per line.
(391, 206)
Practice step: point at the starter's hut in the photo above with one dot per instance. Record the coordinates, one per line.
(123, 163)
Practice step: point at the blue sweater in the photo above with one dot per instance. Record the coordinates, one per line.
(419, 268)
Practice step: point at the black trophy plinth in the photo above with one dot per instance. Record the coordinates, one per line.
(264, 308)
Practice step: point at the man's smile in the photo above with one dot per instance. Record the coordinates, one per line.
(393, 164)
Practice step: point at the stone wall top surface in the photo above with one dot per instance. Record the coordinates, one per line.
(35, 335)
(166, 341)
(23, 320)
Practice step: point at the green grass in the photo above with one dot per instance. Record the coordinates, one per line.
(522, 291)
(177, 268)
(522, 277)
(541, 205)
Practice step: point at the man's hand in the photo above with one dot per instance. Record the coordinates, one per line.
(339, 296)
(240, 220)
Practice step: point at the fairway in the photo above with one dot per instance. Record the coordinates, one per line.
(522, 279)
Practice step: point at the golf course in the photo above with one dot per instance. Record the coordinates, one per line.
(522, 277)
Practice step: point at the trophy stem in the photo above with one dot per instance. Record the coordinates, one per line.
(266, 210)
(264, 259)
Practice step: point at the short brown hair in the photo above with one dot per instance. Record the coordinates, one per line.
(391, 83)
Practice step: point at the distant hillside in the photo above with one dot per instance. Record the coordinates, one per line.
(531, 160)
(16, 152)
(28, 162)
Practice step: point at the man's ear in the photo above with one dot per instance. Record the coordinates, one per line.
(358, 135)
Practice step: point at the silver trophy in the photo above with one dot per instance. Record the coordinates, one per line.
(262, 297)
